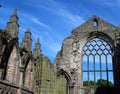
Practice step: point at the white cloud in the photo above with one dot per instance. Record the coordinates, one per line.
(50, 38)
(109, 3)
(51, 48)
(29, 19)
(74, 19)
(37, 21)
(61, 11)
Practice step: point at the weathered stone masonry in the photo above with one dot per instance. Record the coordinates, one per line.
(69, 59)
(16, 63)
(22, 72)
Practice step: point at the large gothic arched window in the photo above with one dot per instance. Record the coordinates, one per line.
(97, 63)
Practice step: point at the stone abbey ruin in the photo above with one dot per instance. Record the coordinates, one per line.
(88, 62)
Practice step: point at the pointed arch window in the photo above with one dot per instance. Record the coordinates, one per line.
(97, 63)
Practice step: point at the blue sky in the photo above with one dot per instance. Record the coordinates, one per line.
(53, 20)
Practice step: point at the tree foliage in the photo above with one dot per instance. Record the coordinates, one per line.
(100, 82)
(104, 82)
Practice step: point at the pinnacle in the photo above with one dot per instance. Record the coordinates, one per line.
(15, 12)
(38, 40)
(37, 45)
(28, 30)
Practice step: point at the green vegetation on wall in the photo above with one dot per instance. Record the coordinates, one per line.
(100, 82)
(46, 81)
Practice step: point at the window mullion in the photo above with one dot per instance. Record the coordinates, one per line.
(88, 71)
(107, 70)
(100, 68)
(94, 70)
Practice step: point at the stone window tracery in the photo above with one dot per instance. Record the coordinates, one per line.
(97, 63)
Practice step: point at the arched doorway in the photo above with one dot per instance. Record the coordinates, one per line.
(97, 67)
(66, 81)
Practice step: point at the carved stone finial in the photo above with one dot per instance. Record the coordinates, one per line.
(15, 12)
(28, 33)
(37, 45)
(94, 16)
(28, 30)
(38, 40)
(27, 41)
(37, 50)
(117, 42)
(13, 26)
(13, 17)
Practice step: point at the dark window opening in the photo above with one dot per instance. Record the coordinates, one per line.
(95, 23)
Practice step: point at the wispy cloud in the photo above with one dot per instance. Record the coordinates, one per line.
(61, 11)
(32, 19)
(50, 45)
(52, 48)
(112, 3)
(37, 21)
(109, 3)
(74, 19)
(51, 39)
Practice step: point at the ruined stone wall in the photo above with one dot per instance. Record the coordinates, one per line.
(29, 76)
(46, 80)
(13, 67)
(69, 58)
(16, 74)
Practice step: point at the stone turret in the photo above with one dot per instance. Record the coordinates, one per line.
(13, 26)
(27, 41)
(37, 50)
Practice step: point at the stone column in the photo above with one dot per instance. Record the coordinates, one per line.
(116, 67)
(1, 69)
(116, 61)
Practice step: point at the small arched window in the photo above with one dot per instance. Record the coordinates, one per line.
(95, 23)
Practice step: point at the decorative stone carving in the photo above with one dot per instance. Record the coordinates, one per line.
(75, 47)
(117, 42)
(73, 76)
